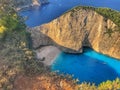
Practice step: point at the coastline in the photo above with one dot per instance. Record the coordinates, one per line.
(47, 54)
(23, 8)
(27, 7)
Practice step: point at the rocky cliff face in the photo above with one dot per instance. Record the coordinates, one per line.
(28, 3)
(82, 27)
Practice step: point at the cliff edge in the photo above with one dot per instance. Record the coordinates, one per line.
(81, 27)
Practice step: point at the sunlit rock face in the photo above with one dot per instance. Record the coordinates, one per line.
(21, 4)
(82, 27)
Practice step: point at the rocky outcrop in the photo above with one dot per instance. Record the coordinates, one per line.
(82, 27)
(22, 4)
(39, 40)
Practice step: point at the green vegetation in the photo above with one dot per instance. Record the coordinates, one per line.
(15, 54)
(110, 14)
(106, 12)
(9, 19)
(16, 58)
(108, 85)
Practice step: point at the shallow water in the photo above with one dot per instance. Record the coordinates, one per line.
(88, 66)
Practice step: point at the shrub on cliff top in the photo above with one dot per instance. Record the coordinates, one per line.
(9, 18)
(108, 85)
(108, 13)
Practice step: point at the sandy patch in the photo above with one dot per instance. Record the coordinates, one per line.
(48, 54)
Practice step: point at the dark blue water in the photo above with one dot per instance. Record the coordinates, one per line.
(46, 13)
(89, 66)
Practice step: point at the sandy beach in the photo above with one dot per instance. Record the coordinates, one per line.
(47, 54)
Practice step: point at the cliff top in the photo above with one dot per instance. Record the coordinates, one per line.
(108, 13)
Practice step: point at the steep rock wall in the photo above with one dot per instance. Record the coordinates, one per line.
(83, 27)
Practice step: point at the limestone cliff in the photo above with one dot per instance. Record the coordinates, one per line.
(83, 27)
(21, 4)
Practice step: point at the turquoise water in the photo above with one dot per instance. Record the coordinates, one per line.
(88, 66)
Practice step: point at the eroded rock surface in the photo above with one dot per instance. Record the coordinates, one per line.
(78, 28)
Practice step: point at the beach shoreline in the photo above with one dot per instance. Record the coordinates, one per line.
(47, 54)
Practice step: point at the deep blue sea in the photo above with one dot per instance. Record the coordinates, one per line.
(89, 66)
(46, 13)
